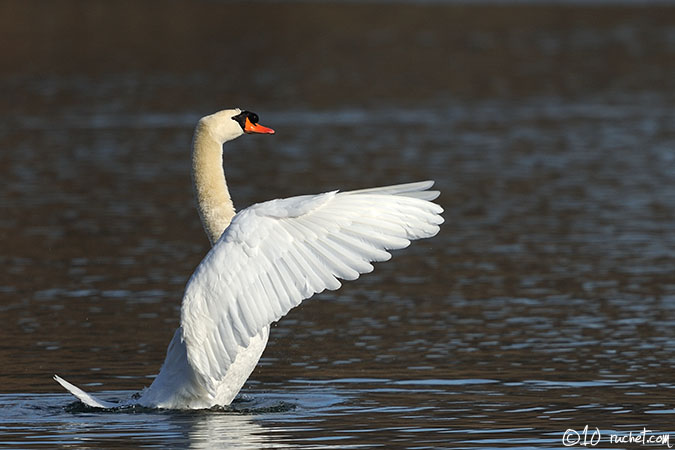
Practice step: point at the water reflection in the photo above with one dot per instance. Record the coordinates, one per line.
(217, 431)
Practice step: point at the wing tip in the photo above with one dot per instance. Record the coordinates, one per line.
(82, 396)
(398, 189)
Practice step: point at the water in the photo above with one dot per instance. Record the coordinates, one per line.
(545, 303)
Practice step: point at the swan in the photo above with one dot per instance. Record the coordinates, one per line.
(263, 262)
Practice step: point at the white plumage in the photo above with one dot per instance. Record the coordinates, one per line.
(269, 258)
(281, 252)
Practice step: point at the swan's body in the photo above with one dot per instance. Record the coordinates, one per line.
(265, 260)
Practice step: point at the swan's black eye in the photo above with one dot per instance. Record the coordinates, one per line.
(241, 119)
(253, 117)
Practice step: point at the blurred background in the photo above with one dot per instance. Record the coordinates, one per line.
(545, 303)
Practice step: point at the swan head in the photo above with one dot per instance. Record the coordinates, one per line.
(231, 123)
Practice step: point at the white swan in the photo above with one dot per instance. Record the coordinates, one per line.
(264, 261)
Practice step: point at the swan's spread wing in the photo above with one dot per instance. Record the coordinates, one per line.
(275, 254)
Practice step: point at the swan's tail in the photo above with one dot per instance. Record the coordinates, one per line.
(85, 398)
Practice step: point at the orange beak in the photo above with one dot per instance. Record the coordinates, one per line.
(250, 127)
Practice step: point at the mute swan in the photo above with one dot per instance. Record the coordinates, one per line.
(263, 262)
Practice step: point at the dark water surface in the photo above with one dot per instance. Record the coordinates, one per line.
(546, 302)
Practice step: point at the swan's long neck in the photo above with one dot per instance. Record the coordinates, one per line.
(208, 181)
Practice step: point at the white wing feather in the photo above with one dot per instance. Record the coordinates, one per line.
(278, 253)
